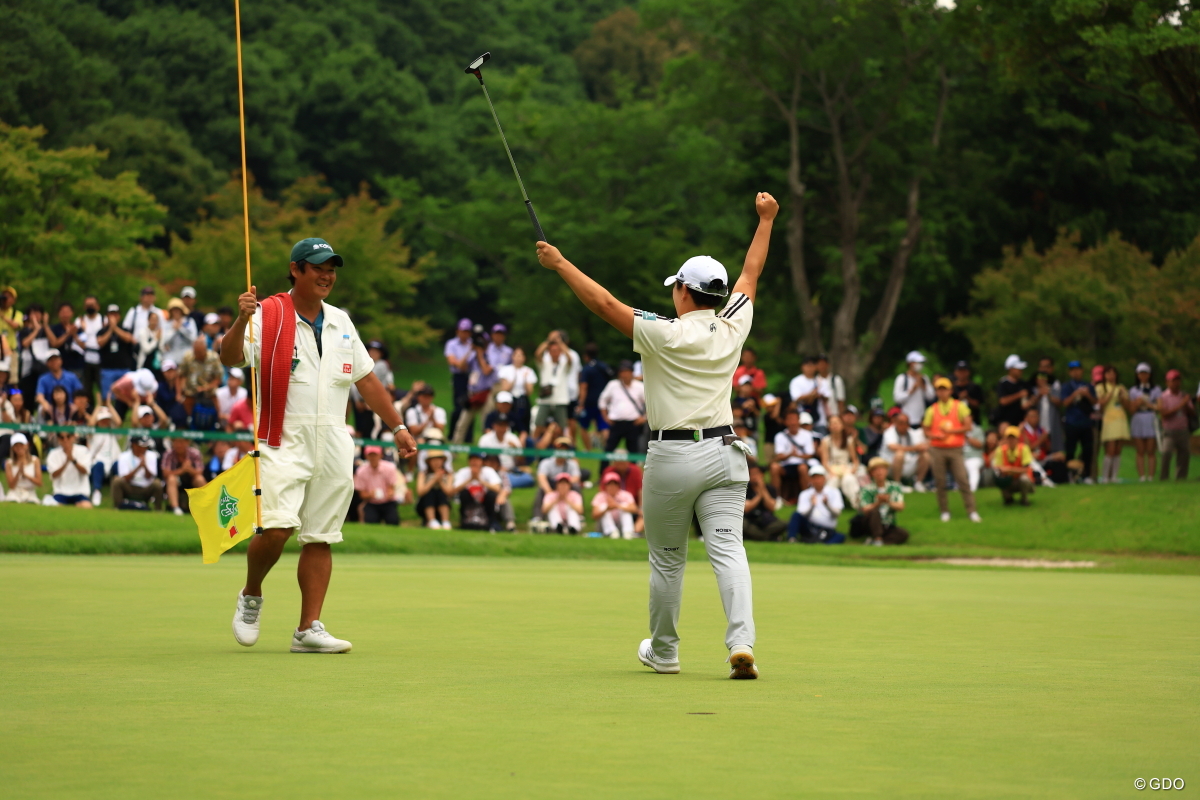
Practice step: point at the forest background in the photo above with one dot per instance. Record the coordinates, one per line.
(1005, 176)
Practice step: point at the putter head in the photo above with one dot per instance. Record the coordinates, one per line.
(475, 66)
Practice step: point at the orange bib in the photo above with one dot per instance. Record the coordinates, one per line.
(941, 422)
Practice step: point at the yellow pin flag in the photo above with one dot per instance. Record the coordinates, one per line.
(224, 510)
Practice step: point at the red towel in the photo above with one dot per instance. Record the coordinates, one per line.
(277, 346)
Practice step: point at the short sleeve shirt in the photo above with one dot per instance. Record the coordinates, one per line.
(171, 461)
(688, 363)
(891, 490)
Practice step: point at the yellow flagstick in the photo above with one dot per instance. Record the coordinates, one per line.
(237, 16)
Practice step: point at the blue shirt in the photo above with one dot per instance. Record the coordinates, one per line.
(1078, 413)
(68, 381)
(596, 375)
(317, 326)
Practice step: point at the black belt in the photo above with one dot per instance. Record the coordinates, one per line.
(691, 436)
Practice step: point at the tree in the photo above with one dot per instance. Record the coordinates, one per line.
(67, 229)
(869, 79)
(1145, 51)
(377, 285)
(1107, 304)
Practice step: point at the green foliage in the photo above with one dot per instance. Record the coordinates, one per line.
(67, 229)
(377, 285)
(1107, 304)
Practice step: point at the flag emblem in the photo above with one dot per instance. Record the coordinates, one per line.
(227, 507)
(222, 519)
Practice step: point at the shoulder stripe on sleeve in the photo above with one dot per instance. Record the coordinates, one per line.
(733, 309)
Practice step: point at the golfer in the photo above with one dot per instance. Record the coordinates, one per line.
(695, 465)
(310, 355)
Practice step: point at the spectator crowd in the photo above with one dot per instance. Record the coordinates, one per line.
(157, 370)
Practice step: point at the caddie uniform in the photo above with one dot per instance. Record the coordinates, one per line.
(308, 480)
(694, 463)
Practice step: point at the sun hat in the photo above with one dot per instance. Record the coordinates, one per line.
(1014, 362)
(562, 441)
(704, 274)
(914, 357)
(503, 397)
(103, 413)
(315, 251)
(187, 291)
(433, 433)
(435, 454)
(144, 381)
(609, 477)
(9, 290)
(175, 302)
(815, 470)
(877, 462)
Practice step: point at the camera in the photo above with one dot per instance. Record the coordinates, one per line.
(479, 336)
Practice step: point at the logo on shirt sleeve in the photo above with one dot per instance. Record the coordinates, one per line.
(346, 368)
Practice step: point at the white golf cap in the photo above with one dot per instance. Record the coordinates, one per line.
(504, 397)
(103, 413)
(52, 352)
(187, 291)
(1014, 362)
(144, 382)
(914, 357)
(236, 372)
(211, 319)
(805, 418)
(144, 410)
(815, 470)
(704, 274)
(742, 381)
(169, 364)
(17, 438)
(1143, 367)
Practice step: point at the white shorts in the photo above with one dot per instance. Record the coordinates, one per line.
(308, 481)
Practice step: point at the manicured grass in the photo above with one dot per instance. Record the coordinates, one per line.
(517, 678)
(1127, 528)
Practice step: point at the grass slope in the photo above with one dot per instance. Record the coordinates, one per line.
(477, 678)
(1130, 528)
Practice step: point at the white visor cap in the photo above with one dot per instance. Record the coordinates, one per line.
(704, 274)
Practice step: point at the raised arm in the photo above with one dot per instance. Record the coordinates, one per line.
(598, 299)
(756, 256)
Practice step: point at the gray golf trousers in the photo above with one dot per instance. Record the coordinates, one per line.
(708, 479)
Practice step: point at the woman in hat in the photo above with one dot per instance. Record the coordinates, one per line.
(1114, 425)
(23, 471)
(1143, 402)
(434, 487)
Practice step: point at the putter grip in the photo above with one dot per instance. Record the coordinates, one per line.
(537, 226)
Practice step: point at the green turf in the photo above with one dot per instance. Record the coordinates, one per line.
(1149, 528)
(475, 678)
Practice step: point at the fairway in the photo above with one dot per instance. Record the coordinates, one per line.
(518, 678)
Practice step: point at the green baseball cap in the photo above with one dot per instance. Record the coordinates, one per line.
(315, 251)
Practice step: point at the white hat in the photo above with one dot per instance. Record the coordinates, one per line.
(742, 381)
(187, 291)
(144, 382)
(1143, 367)
(805, 418)
(914, 357)
(433, 433)
(1014, 362)
(504, 397)
(169, 364)
(144, 410)
(52, 352)
(236, 372)
(815, 470)
(103, 413)
(211, 319)
(18, 438)
(704, 274)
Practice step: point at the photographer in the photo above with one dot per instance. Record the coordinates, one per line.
(554, 395)
(481, 378)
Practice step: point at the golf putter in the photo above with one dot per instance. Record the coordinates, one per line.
(474, 69)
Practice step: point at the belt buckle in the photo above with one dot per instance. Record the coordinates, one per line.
(695, 436)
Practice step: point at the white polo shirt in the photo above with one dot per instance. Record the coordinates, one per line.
(688, 363)
(320, 383)
(71, 481)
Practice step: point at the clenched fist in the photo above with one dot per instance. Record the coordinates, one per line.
(766, 206)
(247, 304)
(549, 257)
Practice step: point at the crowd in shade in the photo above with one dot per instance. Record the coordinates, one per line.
(157, 371)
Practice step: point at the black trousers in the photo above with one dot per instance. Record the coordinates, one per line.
(473, 518)
(387, 513)
(460, 383)
(1082, 436)
(627, 430)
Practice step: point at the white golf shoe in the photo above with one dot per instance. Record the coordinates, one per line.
(945, 516)
(741, 663)
(647, 657)
(245, 619)
(318, 640)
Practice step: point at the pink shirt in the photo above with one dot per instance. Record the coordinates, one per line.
(1168, 402)
(600, 503)
(379, 484)
(552, 500)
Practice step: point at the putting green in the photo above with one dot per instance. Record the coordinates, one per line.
(517, 678)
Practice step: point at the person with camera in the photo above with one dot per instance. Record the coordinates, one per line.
(554, 395)
(481, 377)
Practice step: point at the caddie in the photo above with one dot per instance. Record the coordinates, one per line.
(695, 465)
(310, 356)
